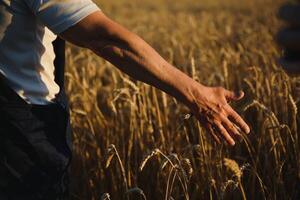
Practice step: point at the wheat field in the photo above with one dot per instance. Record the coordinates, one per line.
(132, 141)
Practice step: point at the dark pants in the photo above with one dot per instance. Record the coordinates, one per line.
(35, 148)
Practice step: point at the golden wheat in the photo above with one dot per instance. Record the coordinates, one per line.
(228, 43)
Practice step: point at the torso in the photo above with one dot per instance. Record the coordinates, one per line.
(26, 53)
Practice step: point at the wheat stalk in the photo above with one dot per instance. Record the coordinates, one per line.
(105, 196)
(147, 158)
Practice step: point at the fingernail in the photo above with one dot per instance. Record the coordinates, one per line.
(239, 93)
(248, 130)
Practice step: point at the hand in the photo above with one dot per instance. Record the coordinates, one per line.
(289, 38)
(216, 115)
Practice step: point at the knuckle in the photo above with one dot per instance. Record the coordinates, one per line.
(232, 129)
(220, 106)
(221, 109)
(216, 122)
(219, 90)
(224, 113)
(237, 117)
(223, 130)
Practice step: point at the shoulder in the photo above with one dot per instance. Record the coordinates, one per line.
(58, 15)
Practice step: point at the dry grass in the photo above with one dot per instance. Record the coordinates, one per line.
(134, 142)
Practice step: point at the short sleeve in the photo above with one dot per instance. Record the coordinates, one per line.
(59, 15)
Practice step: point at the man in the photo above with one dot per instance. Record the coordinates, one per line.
(35, 144)
(289, 38)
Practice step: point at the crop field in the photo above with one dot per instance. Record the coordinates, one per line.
(132, 141)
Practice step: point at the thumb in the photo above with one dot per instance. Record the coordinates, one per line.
(234, 96)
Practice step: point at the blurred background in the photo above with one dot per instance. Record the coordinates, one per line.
(131, 141)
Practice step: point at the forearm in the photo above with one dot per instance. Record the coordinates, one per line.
(131, 54)
(136, 58)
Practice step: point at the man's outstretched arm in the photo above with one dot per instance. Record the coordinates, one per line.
(136, 58)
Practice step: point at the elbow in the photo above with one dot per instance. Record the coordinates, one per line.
(107, 48)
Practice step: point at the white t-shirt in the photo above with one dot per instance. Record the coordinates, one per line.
(27, 30)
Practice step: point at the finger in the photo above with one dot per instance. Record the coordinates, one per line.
(235, 96)
(212, 132)
(289, 39)
(225, 134)
(290, 13)
(236, 118)
(230, 127)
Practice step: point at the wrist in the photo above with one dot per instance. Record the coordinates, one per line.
(183, 87)
(192, 91)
